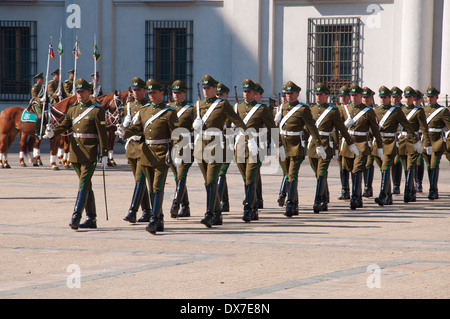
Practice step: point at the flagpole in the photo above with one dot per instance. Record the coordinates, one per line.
(46, 89)
(60, 68)
(95, 68)
(75, 69)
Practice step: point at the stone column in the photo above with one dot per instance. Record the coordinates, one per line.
(445, 62)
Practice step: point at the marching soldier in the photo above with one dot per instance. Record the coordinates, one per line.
(210, 115)
(328, 118)
(53, 89)
(68, 84)
(180, 168)
(389, 118)
(133, 152)
(408, 156)
(88, 144)
(420, 167)
(255, 116)
(294, 118)
(360, 119)
(156, 121)
(265, 142)
(344, 100)
(97, 91)
(277, 113)
(438, 119)
(396, 100)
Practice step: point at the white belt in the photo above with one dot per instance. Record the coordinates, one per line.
(85, 135)
(388, 134)
(404, 133)
(322, 133)
(356, 133)
(163, 141)
(212, 133)
(435, 130)
(136, 138)
(291, 133)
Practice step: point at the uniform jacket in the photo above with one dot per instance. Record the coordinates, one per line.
(53, 92)
(68, 87)
(440, 121)
(133, 148)
(418, 122)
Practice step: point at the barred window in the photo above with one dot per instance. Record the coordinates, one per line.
(334, 53)
(18, 59)
(169, 52)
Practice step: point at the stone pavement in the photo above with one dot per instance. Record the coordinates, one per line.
(400, 251)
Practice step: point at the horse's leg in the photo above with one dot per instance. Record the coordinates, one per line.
(37, 152)
(10, 140)
(111, 139)
(4, 136)
(54, 145)
(61, 149)
(29, 148)
(66, 151)
(23, 149)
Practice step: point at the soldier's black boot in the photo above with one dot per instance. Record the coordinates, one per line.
(396, 177)
(259, 196)
(345, 191)
(156, 219)
(291, 205)
(185, 210)
(248, 202)
(223, 193)
(91, 212)
(409, 195)
(433, 193)
(210, 197)
(136, 200)
(181, 188)
(78, 209)
(385, 184)
(420, 169)
(217, 216)
(282, 195)
(356, 200)
(319, 193)
(368, 181)
(145, 205)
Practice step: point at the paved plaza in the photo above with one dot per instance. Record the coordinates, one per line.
(399, 251)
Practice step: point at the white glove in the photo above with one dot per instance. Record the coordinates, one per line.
(120, 131)
(428, 150)
(48, 132)
(277, 118)
(127, 121)
(198, 124)
(349, 122)
(321, 152)
(230, 142)
(418, 147)
(354, 149)
(281, 154)
(380, 152)
(252, 146)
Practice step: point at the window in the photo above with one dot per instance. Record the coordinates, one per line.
(169, 52)
(18, 59)
(333, 53)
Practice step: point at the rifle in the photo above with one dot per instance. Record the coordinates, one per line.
(236, 95)
(104, 190)
(198, 92)
(446, 100)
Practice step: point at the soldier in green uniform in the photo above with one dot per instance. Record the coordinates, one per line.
(98, 87)
(255, 116)
(396, 170)
(389, 118)
(328, 118)
(155, 122)
(37, 101)
(344, 100)
(294, 118)
(360, 120)
(183, 144)
(88, 143)
(438, 119)
(277, 113)
(420, 167)
(408, 156)
(68, 84)
(133, 152)
(54, 90)
(210, 116)
(265, 139)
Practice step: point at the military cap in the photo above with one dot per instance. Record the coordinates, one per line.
(344, 90)
(431, 90)
(259, 88)
(55, 72)
(39, 76)
(82, 84)
(419, 94)
(321, 88)
(384, 91)
(71, 71)
(291, 86)
(409, 91)
(355, 89)
(179, 86)
(137, 83)
(367, 91)
(248, 84)
(153, 85)
(208, 80)
(283, 89)
(222, 88)
(95, 73)
(396, 91)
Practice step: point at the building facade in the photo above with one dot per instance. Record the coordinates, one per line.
(372, 43)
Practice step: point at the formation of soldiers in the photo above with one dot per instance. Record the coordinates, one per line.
(163, 137)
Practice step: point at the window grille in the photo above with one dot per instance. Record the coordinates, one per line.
(334, 53)
(18, 59)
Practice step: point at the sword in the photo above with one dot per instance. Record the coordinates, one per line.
(104, 189)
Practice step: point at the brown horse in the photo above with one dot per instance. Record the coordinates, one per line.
(11, 125)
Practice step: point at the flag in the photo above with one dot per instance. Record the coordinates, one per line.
(60, 48)
(96, 53)
(76, 50)
(52, 53)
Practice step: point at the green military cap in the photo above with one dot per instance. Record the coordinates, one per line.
(222, 88)
(154, 85)
(39, 76)
(82, 84)
(355, 89)
(431, 90)
(208, 80)
(321, 88)
(179, 86)
(55, 72)
(367, 91)
(291, 86)
(344, 90)
(71, 71)
(95, 73)
(283, 89)
(248, 84)
(409, 91)
(137, 83)
(384, 91)
(259, 88)
(419, 94)
(396, 91)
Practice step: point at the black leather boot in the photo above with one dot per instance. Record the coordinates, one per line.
(181, 187)
(91, 212)
(210, 197)
(248, 202)
(282, 195)
(146, 206)
(356, 200)
(291, 204)
(217, 216)
(78, 209)
(409, 195)
(259, 196)
(157, 218)
(434, 175)
(223, 193)
(384, 189)
(136, 200)
(345, 191)
(420, 170)
(396, 177)
(318, 199)
(185, 210)
(368, 181)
